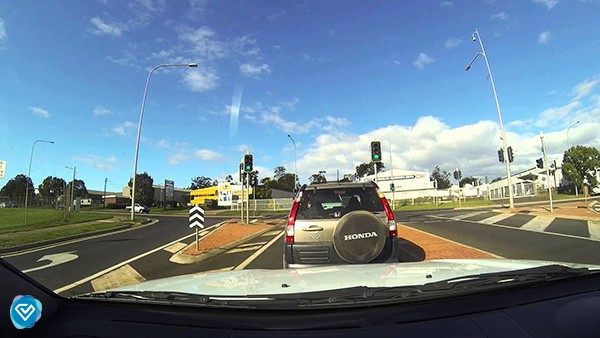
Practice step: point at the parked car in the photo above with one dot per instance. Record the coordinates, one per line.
(139, 208)
(8, 204)
(340, 223)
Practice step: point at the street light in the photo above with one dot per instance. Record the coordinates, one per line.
(476, 37)
(137, 142)
(71, 206)
(569, 141)
(295, 168)
(28, 176)
(571, 126)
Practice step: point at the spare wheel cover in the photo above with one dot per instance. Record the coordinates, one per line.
(359, 237)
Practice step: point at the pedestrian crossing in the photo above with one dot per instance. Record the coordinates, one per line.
(538, 223)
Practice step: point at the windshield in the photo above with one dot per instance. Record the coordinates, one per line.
(243, 148)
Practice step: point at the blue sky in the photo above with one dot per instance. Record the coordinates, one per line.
(333, 74)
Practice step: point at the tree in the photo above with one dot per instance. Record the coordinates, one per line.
(201, 182)
(229, 179)
(469, 180)
(580, 163)
(496, 179)
(262, 192)
(286, 182)
(51, 188)
(441, 177)
(279, 171)
(365, 169)
(80, 189)
(348, 178)
(144, 190)
(15, 189)
(318, 179)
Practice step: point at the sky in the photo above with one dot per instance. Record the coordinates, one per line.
(334, 75)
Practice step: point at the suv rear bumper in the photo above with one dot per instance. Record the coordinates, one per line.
(318, 254)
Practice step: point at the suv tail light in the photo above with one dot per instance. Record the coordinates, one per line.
(390, 216)
(289, 229)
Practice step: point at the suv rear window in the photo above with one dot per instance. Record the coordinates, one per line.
(336, 202)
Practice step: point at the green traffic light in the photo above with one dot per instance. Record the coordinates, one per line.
(376, 156)
(247, 167)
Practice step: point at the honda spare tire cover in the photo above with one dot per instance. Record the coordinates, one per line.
(359, 237)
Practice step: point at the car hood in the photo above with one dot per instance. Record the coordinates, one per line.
(271, 282)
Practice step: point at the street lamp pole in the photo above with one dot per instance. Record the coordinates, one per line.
(137, 141)
(29, 175)
(571, 126)
(477, 37)
(71, 205)
(295, 168)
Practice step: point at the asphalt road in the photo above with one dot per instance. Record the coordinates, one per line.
(511, 236)
(144, 253)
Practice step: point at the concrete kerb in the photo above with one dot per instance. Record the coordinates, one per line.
(182, 258)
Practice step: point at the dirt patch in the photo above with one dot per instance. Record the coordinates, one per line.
(226, 234)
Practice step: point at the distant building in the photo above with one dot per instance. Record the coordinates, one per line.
(407, 184)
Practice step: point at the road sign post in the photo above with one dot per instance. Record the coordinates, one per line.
(196, 218)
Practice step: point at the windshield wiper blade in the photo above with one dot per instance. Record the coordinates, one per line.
(148, 296)
(503, 278)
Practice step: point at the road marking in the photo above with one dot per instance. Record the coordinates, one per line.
(270, 233)
(116, 266)
(539, 223)
(253, 244)
(521, 229)
(50, 246)
(175, 247)
(55, 259)
(249, 248)
(594, 229)
(496, 218)
(125, 275)
(258, 253)
(463, 216)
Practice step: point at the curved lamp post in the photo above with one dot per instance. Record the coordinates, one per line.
(476, 37)
(28, 175)
(137, 142)
(571, 126)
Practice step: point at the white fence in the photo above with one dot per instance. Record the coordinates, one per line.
(277, 204)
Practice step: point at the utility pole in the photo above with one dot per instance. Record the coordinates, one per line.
(393, 186)
(104, 199)
(547, 171)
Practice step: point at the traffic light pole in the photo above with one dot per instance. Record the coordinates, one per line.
(248, 199)
(547, 170)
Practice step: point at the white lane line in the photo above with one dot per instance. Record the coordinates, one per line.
(248, 248)
(594, 229)
(539, 223)
(471, 214)
(496, 218)
(253, 244)
(116, 266)
(259, 252)
(521, 229)
(175, 247)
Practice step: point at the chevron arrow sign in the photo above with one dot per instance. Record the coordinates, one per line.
(196, 217)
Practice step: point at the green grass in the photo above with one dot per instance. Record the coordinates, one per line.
(13, 219)
(23, 238)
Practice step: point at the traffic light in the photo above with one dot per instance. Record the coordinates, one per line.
(540, 163)
(457, 174)
(376, 151)
(248, 163)
(240, 172)
(510, 154)
(501, 155)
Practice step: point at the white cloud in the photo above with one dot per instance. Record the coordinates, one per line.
(98, 162)
(163, 144)
(556, 114)
(544, 37)
(208, 155)
(203, 44)
(100, 111)
(248, 69)
(499, 16)
(277, 15)
(452, 43)
(201, 81)
(39, 112)
(446, 4)
(123, 128)
(2, 32)
(178, 158)
(584, 88)
(197, 9)
(548, 3)
(103, 28)
(423, 60)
